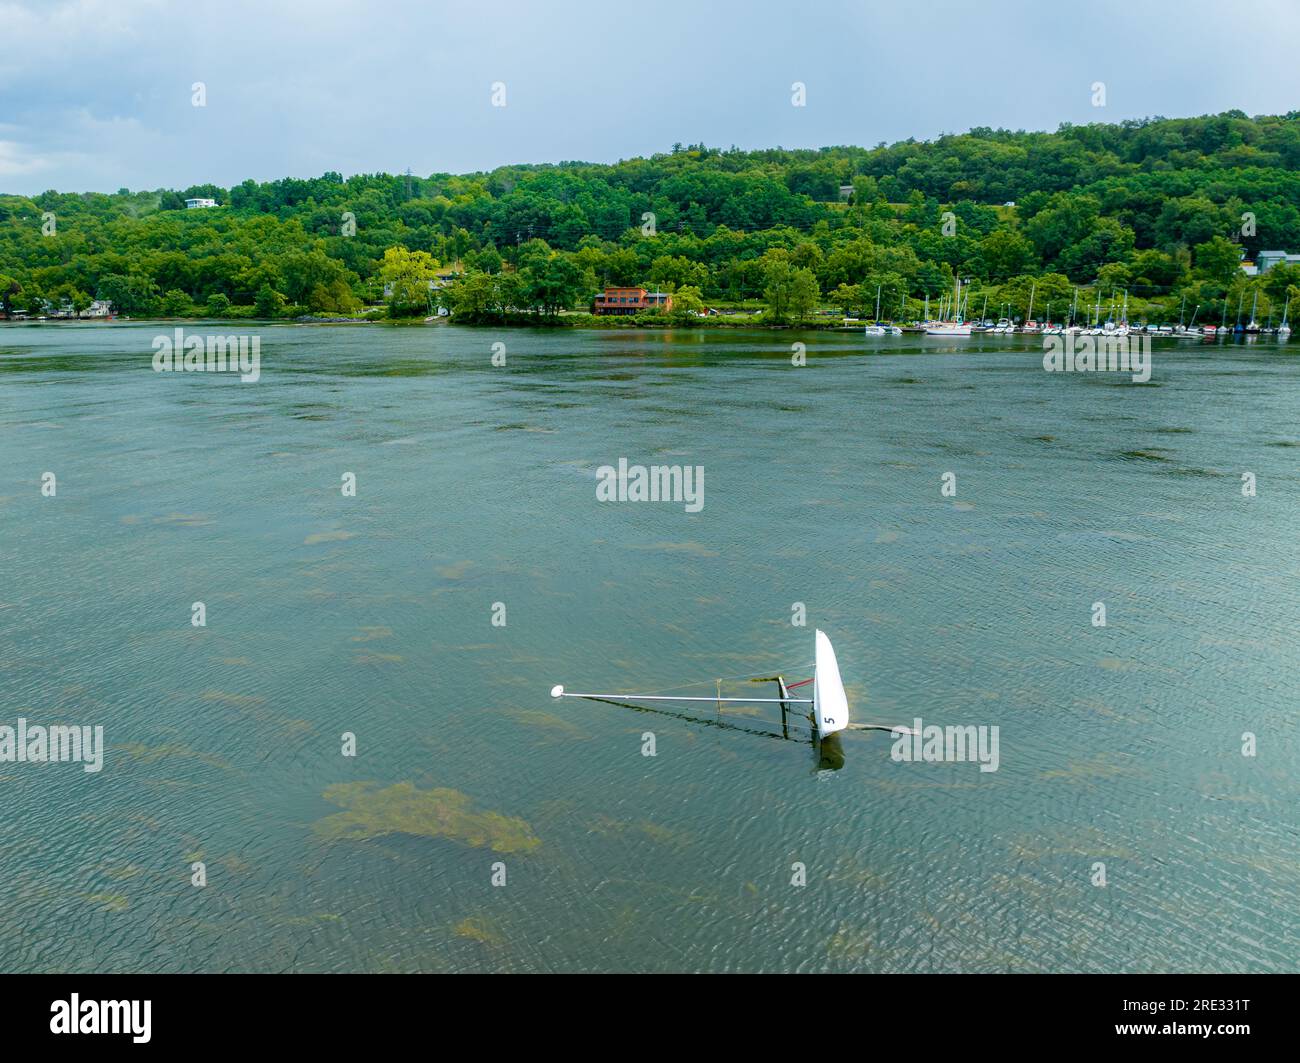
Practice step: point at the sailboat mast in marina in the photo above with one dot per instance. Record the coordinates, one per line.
(955, 327)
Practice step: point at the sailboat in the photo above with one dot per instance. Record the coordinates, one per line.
(1284, 330)
(829, 703)
(955, 327)
(1123, 329)
(1253, 326)
(1222, 328)
(1071, 327)
(1030, 324)
(1095, 330)
(877, 329)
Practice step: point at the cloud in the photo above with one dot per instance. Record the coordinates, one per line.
(97, 92)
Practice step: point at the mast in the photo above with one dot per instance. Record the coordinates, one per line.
(1033, 290)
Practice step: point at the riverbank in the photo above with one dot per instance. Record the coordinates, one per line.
(561, 321)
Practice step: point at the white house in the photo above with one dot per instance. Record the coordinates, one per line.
(99, 308)
(1266, 260)
(197, 204)
(435, 285)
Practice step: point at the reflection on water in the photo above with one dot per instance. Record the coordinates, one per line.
(372, 616)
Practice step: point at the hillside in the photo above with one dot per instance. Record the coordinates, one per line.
(1154, 208)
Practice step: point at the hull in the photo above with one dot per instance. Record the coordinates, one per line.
(948, 330)
(830, 704)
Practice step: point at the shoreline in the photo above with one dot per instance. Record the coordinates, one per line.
(587, 324)
(543, 323)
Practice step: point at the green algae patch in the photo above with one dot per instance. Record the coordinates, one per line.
(653, 831)
(545, 721)
(478, 930)
(108, 902)
(328, 537)
(438, 813)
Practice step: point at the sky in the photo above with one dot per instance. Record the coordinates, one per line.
(97, 95)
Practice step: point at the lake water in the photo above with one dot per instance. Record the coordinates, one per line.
(477, 489)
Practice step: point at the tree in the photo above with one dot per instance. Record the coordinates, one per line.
(1004, 253)
(177, 303)
(406, 276)
(1217, 259)
(688, 302)
(269, 303)
(8, 289)
(129, 294)
(474, 297)
(1281, 279)
(804, 293)
(780, 282)
(556, 284)
(670, 272)
(848, 297)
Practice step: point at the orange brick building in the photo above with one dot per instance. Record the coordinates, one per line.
(631, 301)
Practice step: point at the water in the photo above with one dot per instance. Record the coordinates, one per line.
(477, 485)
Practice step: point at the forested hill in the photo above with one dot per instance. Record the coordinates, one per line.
(1154, 208)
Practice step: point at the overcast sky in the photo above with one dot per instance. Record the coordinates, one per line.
(96, 94)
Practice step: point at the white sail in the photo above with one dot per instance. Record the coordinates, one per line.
(830, 704)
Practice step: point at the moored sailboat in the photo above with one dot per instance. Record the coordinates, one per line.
(956, 327)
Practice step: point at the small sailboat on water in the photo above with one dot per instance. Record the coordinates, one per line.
(829, 703)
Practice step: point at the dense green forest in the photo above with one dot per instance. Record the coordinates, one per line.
(1162, 209)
